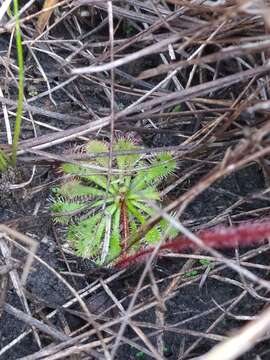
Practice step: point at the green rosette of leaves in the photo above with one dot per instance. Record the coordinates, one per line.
(102, 213)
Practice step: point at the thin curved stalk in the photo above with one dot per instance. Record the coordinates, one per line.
(19, 113)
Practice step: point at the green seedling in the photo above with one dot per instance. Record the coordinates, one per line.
(101, 213)
(167, 350)
(177, 108)
(206, 263)
(140, 355)
(191, 274)
(129, 29)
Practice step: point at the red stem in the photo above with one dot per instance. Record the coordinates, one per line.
(219, 237)
(124, 223)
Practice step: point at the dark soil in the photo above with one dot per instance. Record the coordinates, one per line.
(185, 311)
(192, 309)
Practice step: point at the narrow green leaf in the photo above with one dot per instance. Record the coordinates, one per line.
(66, 210)
(153, 235)
(87, 174)
(146, 209)
(142, 195)
(74, 188)
(125, 162)
(171, 231)
(95, 146)
(84, 236)
(4, 161)
(115, 241)
(19, 113)
(162, 166)
(100, 203)
(135, 212)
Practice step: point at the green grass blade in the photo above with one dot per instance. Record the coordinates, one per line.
(19, 112)
(4, 161)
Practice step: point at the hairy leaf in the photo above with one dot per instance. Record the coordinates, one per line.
(125, 162)
(64, 211)
(95, 146)
(159, 168)
(74, 188)
(144, 208)
(171, 231)
(88, 174)
(143, 195)
(86, 236)
(115, 241)
(137, 214)
(153, 235)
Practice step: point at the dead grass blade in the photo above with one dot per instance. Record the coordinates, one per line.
(14, 236)
(44, 16)
(242, 341)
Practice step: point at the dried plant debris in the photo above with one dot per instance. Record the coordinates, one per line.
(190, 80)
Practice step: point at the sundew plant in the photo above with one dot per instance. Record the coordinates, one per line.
(101, 213)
